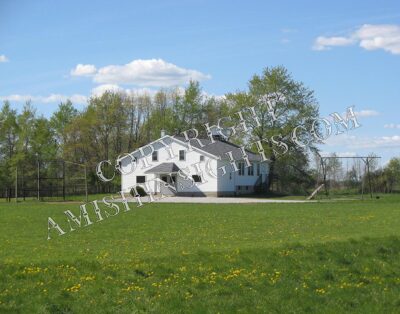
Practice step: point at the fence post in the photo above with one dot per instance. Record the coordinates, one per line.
(23, 184)
(16, 184)
(63, 178)
(369, 178)
(38, 179)
(86, 186)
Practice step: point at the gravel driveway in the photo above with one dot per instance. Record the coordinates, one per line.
(218, 200)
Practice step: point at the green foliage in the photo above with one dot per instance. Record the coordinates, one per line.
(112, 124)
(140, 191)
(387, 180)
(115, 123)
(289, 104)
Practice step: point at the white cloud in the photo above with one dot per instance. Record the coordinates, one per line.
(3, 58)
(84, 70)
(340, 154)
(142, 91)
(392, 126)
(101, 89)
(53, 98)
(152, 72)
(366, 113)
(369, 37)
(386, 37)
(325, 43)
(358, 142)
(348, 154)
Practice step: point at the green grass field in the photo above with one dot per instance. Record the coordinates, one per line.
(328, 257)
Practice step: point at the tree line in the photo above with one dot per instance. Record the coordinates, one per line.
(115, 123)
(356, 174)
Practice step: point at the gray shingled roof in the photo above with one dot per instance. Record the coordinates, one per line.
(166, 167)
(220, 148)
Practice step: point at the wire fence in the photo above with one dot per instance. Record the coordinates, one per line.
(48, 180)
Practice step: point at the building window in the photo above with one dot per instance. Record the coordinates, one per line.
(140, 179)
(196, 178)
(154, 156)
(241, 168)
(182, 155)
(201, 158)
(258, 169)
(250, 170)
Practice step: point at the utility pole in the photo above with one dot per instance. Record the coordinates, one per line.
(324, 174)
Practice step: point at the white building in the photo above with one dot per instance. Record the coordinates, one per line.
(202, 168)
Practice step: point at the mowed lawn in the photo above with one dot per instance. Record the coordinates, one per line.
(326, 257)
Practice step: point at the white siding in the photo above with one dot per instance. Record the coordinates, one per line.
(229, 181)
(224, 183)
(191, 157)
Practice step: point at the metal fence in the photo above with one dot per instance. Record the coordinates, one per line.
(48, 180)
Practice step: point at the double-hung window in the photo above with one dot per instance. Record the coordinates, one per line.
(250, 170)
(241, 168)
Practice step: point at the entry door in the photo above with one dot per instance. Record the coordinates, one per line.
(170, 179)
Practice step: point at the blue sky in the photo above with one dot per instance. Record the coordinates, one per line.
(348, 52)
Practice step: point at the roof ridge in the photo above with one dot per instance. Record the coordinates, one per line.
(217, 140)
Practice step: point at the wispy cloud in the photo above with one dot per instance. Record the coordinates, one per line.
(325, 43)
(359, 142)
(144, 73)
(53, 98)
(101, 89)
(340, 154)
(367, 113)
(368, 36)
(392, 126)
(3, 58)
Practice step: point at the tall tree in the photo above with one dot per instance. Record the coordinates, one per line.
(392, 174)
(9, 131)
(61, 118)
(281, 103)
